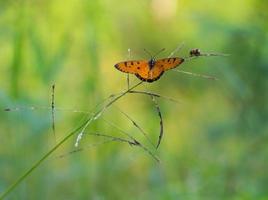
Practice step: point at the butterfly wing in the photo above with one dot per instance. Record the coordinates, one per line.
(151, 75)
(140, 68)
(159, 68)
(132, 67)
(169, 63)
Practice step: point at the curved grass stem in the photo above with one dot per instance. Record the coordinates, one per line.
(40, 161)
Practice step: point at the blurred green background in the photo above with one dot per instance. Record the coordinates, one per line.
(215, 139)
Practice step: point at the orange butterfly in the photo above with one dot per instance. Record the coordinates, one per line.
(149, 70)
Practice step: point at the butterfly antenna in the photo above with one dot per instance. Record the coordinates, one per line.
(159, 52)
(148, 53)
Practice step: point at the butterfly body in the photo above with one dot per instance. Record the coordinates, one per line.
(151, 63)
(149, 70)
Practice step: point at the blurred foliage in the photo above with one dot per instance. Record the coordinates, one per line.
(215, 140)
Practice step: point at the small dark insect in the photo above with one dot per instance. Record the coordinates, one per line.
(195, 52)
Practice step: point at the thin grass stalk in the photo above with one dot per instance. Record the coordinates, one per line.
(35, 165)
